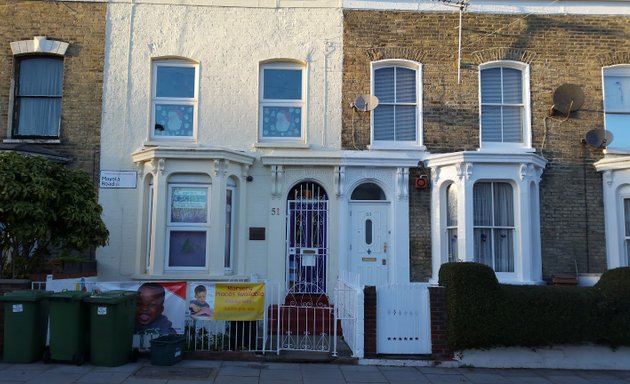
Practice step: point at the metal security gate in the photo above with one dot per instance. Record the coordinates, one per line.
(307, 238)
(403, 319)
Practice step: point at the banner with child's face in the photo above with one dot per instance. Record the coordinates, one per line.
(226, 301)
(160, 307)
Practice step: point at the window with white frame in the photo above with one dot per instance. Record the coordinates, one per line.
(504, 94)
(282, 106)
(38, 94)
(493, 223)
(188, 225)
(451, 222)
(617, 105)
(174, 100)
(396, 119)
(230, 195)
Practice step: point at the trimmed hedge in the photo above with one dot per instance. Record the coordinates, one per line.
(483, 313)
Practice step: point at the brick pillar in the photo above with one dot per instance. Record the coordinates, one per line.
(369, 316)
(439, 340)
(8, 285)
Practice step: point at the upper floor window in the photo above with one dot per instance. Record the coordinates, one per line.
(174, 100)
(617, 105)
(493, 210)
(396, 119)
(504, 93)
(282, 88)
(38, 92)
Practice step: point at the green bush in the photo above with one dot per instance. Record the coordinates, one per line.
(483, 313)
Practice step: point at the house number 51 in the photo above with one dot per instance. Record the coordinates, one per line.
(275, 211)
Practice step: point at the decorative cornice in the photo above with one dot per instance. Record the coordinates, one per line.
(39, 44)
(503, 53)
(383, 53)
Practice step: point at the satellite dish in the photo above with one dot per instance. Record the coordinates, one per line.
(598, 138)
(365, 103)
(568, 98)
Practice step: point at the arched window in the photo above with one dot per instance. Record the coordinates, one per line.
(505, 111)
(616, 106)
(174, 99)
(368, 191)
(397, 118)
(282, 101)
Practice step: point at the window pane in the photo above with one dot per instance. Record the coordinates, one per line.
(227, 261)
(619, 126)
(491, 123)
(384, 85)
(512, 86)
(451, 206)
(512, 124)
(626, 212)
(483, 246)
(175, 82)
(282, 122)
(38, 117)
(491, 85)
(187, 249)
(282, 84)
(368, 191)
(617, 93)
(41, 76)
(452, 245)
(189, 205)
(368, 232)
(173, 120)
(504, 250)
(405, 123)
(482, 204)
(503, 205)
(405, 85)
(384, 122)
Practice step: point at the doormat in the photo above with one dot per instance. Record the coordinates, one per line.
(152, 372)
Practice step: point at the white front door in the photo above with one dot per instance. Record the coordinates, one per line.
(369, 242)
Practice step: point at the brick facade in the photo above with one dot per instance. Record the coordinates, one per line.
(82, 25)
(559, 49)
(369, 324)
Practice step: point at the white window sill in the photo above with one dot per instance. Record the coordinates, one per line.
(396, 147)
(505, 148)
(32, 141)
(179, 276)
(281, 144)
(170, 143)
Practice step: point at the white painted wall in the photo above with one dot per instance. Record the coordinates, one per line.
(228, 39)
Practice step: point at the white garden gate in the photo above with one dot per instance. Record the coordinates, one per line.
(403, 323)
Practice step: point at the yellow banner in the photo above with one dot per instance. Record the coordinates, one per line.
(239, 301)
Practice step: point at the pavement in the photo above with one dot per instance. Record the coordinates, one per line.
(252, 372)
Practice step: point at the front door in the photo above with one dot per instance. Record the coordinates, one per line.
(369, 253)
(307, 238)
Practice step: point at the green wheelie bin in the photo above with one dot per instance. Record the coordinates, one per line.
(25, 325)
(69, 327)
(112, 319)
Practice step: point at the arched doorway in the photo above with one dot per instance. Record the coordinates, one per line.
(307, 238)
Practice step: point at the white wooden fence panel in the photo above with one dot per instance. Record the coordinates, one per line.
(403, 319)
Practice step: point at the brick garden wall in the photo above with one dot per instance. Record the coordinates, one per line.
(82, 25)
(559, 49)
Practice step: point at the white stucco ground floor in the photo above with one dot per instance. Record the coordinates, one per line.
(292, 217)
